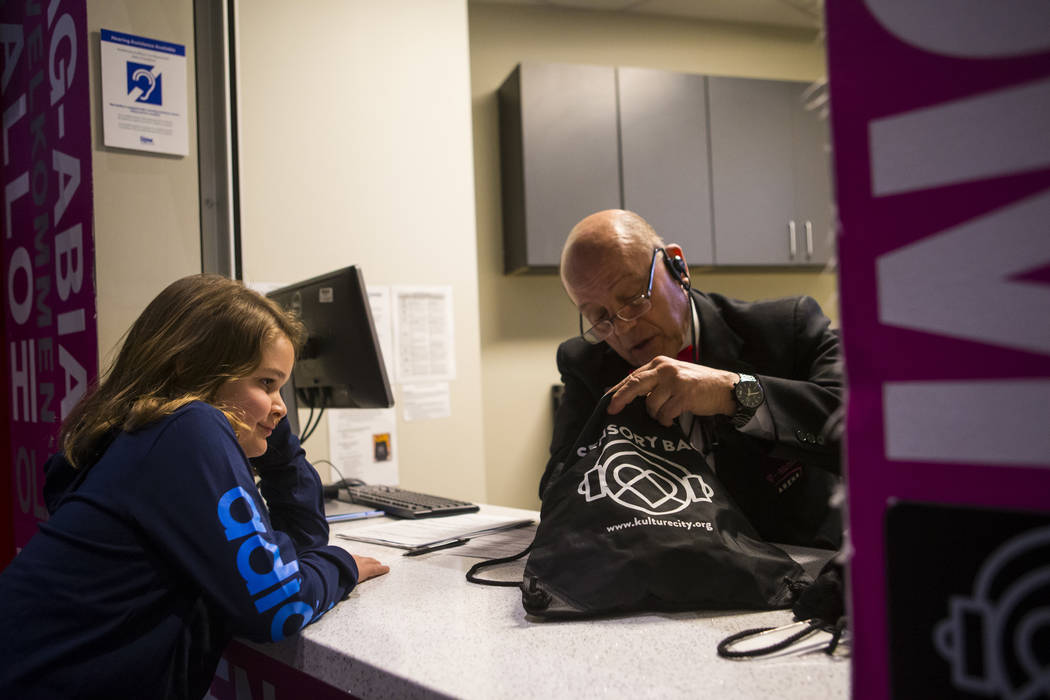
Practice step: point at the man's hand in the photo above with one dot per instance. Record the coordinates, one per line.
(672, 387)
(367, 568)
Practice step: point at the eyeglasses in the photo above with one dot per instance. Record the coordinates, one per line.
(630, 311)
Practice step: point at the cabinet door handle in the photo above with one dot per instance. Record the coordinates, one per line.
(792, 242)
(809, 240)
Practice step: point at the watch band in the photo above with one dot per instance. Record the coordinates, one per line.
(742, 416)
(749, 396)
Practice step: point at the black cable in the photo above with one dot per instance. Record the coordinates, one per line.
(309, 417)
(725, 652)
(342, 479)
(332, 490)
(314, 426)
(310, 430)
(471, 573)
(836, 635)
(693, 315)
(305, 432)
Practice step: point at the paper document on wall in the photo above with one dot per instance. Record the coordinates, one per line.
(362, 444)
(379, 301)
(263, 288)
(426, 532)
(423, 339)
(425, 401)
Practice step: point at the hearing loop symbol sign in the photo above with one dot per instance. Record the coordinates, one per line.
(144, 93)
(641, 480)
(144, 83)
(991, 639)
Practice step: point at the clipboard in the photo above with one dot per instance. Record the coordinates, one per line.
(432, 533)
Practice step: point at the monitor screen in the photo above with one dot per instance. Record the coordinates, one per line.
(341, 365)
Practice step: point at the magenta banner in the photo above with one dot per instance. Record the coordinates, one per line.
(941, 123)
(50, 334)
(244, 672)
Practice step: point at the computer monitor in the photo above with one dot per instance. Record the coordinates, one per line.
(341, 364)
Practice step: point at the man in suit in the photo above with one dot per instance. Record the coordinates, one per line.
(752, 384)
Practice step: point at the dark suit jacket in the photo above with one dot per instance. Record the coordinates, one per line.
(788, 345)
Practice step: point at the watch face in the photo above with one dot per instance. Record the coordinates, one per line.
(749, 393)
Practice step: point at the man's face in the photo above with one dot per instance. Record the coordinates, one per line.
(601, 283)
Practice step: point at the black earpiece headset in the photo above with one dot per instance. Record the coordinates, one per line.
(676, 266)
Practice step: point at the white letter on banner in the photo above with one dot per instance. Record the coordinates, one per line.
(52, 8)
(242, 687)
(62, 78)
(76, 380)
(967, 28)
(69, 167)
(71, 322)
(993, 134)
(23, 380)
(957, 282)
(15, 189)
(12, 39)
(969, 422)
(12, 114)
(69, 261)
(20, 309)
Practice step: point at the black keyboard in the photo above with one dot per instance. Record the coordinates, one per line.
(408, 504)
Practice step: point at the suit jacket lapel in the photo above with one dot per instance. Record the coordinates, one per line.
(613, 369)
(720, 346)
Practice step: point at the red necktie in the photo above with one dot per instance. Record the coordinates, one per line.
(686, 354)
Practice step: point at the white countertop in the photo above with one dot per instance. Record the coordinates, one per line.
(423, 630)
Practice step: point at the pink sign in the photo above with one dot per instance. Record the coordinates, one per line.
(49, 332)
(941, 123)
(245, 673)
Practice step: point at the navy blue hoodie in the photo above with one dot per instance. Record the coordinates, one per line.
(159, 553)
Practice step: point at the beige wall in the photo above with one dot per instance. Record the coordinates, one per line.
(356, 149)
(147, 211)
(523, 318)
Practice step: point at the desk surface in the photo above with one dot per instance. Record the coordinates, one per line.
(423, 630)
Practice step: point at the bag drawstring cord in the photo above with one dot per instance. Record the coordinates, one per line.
(808, 627)
(472, 572)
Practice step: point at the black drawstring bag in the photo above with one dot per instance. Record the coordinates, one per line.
(641, 522)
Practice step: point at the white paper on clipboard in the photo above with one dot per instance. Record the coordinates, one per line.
(426, 532)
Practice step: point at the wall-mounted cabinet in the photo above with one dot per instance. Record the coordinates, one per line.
(734, 169)
(769, 174)
(663, 136)
(559, 157)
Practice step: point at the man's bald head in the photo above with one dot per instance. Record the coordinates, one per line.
(615, 232)
(608, 262)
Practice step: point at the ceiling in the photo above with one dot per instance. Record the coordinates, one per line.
(806, 14)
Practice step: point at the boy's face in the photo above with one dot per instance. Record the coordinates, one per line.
(256, 399)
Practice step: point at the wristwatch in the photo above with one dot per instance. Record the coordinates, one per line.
(749, 396)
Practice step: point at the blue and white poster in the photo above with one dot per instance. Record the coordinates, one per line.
(143, 93)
